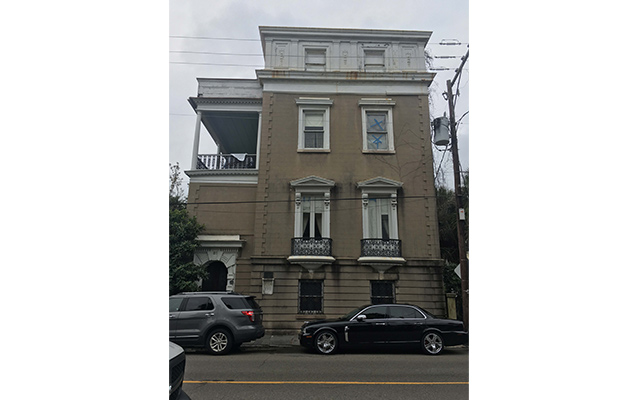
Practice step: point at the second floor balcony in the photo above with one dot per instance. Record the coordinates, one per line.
(311, 247)
(381, 254)
(226, 161)
(380, 248)
(311, 253)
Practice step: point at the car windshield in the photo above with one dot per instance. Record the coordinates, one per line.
(352, 313)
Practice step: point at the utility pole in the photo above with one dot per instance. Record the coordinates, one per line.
(460, 222)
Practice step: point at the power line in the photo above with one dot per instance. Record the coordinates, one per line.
(293, 200)
(212, 38)
(222, 65)
(292, 55)
(263, 66)
(443, 42)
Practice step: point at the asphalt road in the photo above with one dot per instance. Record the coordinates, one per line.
(293, 373)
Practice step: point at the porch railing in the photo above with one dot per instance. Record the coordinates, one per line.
(380, 248)
(311, 247)
(226, 161)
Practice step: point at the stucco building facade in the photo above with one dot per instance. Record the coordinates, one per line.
(321, 197)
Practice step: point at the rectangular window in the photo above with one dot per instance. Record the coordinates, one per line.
(312, 209)
(377, 130)
(379, 218)
(310, 297)
(314, 124)
(381, 292)
(374, 60)
(316, 59)
(313, 129)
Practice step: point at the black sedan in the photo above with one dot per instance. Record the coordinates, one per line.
(383, 324)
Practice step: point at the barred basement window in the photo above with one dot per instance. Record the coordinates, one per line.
(382, 292)
(310, 297)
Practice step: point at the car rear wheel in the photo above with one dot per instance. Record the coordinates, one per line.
(219, 342)
(326, 342)
(432, 343)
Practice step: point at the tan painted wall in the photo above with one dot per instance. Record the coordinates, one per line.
(346, 164)
(267, 225)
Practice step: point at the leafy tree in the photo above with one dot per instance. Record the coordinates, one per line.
(183, 230)
(448, 239)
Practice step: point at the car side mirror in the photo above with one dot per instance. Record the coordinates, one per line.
(361, 318)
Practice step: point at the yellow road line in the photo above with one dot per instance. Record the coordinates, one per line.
(328, 383)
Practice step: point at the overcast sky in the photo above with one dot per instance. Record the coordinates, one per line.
(191, 19)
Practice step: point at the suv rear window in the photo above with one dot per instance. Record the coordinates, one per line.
(240, 303)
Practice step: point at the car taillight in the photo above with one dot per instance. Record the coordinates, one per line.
(249, 314)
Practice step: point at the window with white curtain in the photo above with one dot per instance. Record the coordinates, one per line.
(312, 212)
(379, 218)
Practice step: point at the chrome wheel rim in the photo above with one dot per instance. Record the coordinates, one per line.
(218, 342)
(326, 343)
(432, 343)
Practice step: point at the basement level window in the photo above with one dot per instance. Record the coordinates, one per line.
(381, 292)
(310, 296)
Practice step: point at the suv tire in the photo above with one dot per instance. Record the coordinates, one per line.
(219, 342)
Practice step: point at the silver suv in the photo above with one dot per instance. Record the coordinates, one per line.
(216, 321)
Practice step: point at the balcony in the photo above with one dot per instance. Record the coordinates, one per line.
(381, 254)
(226, 161)
(311, 253)
(380, 248)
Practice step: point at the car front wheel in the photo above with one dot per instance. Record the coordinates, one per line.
(326, 342)
(432, 343)
(219, 342)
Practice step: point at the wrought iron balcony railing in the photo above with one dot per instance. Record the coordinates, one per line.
(380, 248)
(226, 161)
(311, 247)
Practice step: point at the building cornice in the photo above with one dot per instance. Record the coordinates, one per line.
(416, 77)
(304, 33)
(342, 82)
(235, 176)
(225, 104)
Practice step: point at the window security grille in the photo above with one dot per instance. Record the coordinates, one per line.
(310, 297)
(382, 292)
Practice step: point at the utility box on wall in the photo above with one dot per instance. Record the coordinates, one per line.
(268, 283)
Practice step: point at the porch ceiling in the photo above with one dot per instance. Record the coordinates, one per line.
(234, 132)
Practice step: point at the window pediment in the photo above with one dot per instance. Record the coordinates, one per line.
(379, 183)
(311, 182)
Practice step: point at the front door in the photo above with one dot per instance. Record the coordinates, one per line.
(193, 318)
(217, 275)
(173, 314)
(405, 324)
(373, 329)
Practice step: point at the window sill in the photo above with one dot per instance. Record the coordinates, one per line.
(379, 152)
(307, 317)
(313, 150)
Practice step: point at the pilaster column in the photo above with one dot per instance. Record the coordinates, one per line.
(196, 141)
(366, 226)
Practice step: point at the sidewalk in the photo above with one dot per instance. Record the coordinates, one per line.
(270, 340)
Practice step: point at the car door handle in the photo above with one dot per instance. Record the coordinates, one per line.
(171, 316)
(380, 323)
(209, 314)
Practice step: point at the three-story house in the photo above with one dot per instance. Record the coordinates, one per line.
(321, 197)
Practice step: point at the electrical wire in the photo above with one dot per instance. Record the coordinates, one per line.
(293, 200)
(441, 43)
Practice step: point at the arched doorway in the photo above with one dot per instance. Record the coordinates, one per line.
(216, 281)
